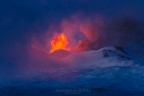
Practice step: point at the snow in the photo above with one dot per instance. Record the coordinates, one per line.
(113, 74)
(96, 58)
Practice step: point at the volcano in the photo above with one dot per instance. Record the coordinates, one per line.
(59, 54)
(107, 71)
(104, 57)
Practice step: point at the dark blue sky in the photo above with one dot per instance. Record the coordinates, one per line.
(20, 16)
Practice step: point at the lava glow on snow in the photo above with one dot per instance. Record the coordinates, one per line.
(59, 41)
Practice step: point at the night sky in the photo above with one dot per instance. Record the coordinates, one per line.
(21, 19)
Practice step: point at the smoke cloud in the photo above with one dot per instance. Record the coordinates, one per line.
(92, 33)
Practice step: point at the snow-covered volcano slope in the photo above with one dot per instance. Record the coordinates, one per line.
(106, 72)
(74, 64)
(105, 57)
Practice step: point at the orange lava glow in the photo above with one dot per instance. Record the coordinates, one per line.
(59, 41)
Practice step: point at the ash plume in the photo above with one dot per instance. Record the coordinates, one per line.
(122, 31)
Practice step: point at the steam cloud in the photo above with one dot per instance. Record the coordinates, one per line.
(89, 33)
